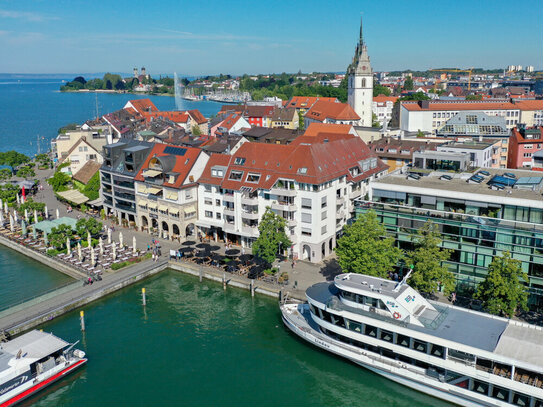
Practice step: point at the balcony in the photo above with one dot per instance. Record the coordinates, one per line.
(355, 194)
(228, 198)
(340, 200)
(229, 227)
(228, 210)
(283, 191)
(250, 215)
(340, 214)
(283, 206)
(250, 230)
(291, 223)
(247, 200)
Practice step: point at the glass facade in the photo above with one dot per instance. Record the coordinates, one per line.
(474, 232)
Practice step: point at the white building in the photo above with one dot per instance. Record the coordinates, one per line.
(360, 83)
(311, 183)
(382, 108)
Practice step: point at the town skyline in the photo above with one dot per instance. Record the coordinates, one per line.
(54, 38)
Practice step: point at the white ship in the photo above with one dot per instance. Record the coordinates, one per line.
(459, 355)
(33, 361)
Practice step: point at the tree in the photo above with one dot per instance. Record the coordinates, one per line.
(196, 131)
(272, 238)
(474, 97)
(57, 237)
(375, 121)
(92, 189)
(5, 174)
(30, 205)
(427, 258)
(502, 291)
(13, 159)
(408, 83)
(26, 172)
(59, 181)
(301, 122)
(365, 248)
(80, 79)
(90, 225)
(380, 90)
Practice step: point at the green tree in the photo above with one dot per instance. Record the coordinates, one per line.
(301, 122)
(83, 226)
(92, 189)
(380, 90)
(59, 181)
(408, 83)
(416, 96)
(57, 237)
(272, 238)
(5, 174)
(30, 205)
(80, 79)
(474, 97)
(502, 291)
(26, 172)
(375, 121)
(8, 192)
(427, 258)
(196, 131)
(13, 159)
(365, 248)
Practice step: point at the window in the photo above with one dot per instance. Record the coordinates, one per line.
(208, 214)
(217, 172)
(235, 175)
(302, 170)
(253, 177)
(306, 203)
(323, 230)
(306, 217)
(218, 215)
(386, 335)
(528, 146)
(207, 188)
(208, 201)
(306, 231)
(421, 346)
(323, 202)
(324, 215)
(239, 161)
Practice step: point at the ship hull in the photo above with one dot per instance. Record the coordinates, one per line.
(30, 388)
(393, 374)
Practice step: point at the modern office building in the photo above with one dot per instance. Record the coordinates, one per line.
(477, 220)
(122, 161)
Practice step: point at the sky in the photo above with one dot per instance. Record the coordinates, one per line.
(205, 37)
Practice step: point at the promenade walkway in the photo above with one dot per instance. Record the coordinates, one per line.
(38, 310)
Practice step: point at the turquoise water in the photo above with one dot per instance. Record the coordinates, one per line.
(22, 278)
(35, 107)
(194, 344)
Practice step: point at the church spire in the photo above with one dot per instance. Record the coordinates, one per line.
(361, 40)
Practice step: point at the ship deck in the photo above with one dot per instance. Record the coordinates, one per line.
(452, 323)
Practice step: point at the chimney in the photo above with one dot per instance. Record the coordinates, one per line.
(424, 104)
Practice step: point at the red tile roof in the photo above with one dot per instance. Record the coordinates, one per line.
(384, 99)
(315, 128)
(230, 120)
(143, 105)
(323, 109)
(308, 163)
(174, 116)
(460, 105)
(524, 140)
(305, 102)
(197, 116)
(183, 164)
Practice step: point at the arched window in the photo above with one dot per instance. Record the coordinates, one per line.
(363, 82)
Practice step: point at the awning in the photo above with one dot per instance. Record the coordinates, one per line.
(172, 196)
(174, 211)
(142, 189)
(153, 190)
(152, 205)
(189, 209)
(163, 208)
(151, 173)
(73, 196)
(96, 202)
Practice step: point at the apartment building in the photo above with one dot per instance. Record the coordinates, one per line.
(311, 182)
(166, 190)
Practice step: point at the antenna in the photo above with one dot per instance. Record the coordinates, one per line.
(404, 280)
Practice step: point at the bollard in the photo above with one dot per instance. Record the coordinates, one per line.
(281, 295)
(224, 281)
(252, 287)
(143, 297)
(82, 319)
(200, 273)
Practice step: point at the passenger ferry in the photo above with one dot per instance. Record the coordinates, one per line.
(459, 355)
(33, 361)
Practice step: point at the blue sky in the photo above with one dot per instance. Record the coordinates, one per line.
(215, 36)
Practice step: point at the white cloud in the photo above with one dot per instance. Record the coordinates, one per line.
(25, 15)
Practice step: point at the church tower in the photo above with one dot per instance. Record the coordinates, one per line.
(360, 83)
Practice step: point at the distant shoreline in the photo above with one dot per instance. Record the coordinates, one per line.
(110, 91)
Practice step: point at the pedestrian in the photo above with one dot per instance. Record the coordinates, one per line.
(148, 247)
(292, 265)
(242, 251)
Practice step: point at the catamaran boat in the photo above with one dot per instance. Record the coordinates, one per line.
(33, 361)
(459, 355)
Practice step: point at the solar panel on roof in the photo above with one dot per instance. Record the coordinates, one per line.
(529, 181)
(499, 179)
(175, 150)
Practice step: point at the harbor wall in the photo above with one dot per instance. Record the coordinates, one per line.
(42, 258)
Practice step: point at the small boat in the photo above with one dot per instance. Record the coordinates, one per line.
(33, 361)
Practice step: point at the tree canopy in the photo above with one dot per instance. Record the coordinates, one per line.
(272, 237)
(26, 172)
(57, 237)
(90, 225)
(31, 205)
(92, 189)
(12, 159)
(408, 83)
(365, 248)
(427, 258)
(380, 90)
(59, 181)
(502, 291)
